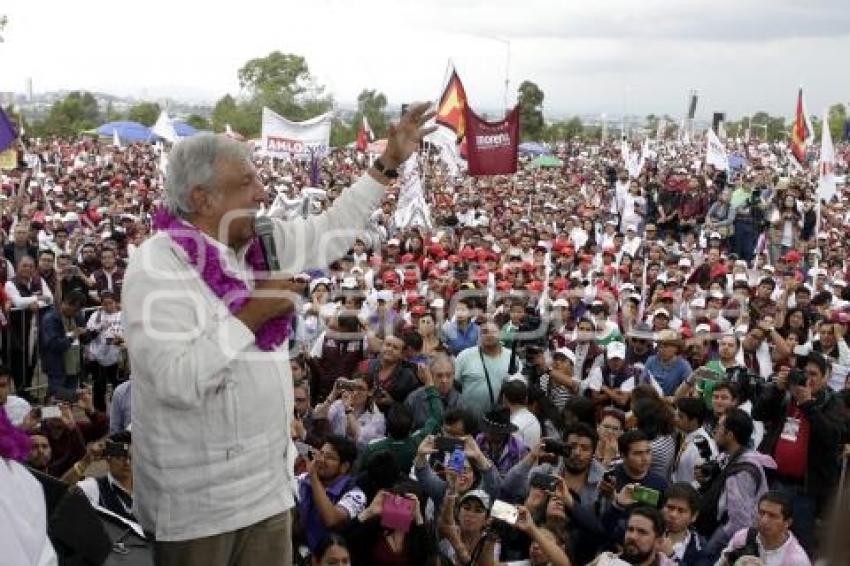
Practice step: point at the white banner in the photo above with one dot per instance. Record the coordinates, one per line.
(715, 153)
(411, 208)
(284, 138)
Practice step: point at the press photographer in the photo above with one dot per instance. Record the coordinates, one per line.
(805, 425)
(731, 485)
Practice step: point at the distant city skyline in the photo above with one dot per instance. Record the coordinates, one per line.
(608, 57)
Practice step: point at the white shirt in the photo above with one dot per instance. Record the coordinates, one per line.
(16, 409)
(210, 411)
(90, 487)
(689, 458)
(528, 426)
(23, 514)
(19, 302)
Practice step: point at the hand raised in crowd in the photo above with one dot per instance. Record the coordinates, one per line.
(606, 488)
(626, 496)
(562, 492)
(85, 400)
(375, 507)
(535, 499)
(426, 447)
(403, 138)
(524, 522)
(67, 415)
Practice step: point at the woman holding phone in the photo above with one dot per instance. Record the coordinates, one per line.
(392, 530)
(352, 412)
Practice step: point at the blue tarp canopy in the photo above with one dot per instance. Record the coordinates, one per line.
(183, 129)
(533, 148)
(127, 131)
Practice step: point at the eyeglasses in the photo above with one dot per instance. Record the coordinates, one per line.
(610, 428)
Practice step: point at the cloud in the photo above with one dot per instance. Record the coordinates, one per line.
(720, 21)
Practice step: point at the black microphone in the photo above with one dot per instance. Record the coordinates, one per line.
(264, 228)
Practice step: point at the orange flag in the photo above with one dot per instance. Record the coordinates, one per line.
(450, 112)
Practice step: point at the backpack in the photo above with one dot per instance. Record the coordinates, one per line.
(707, 520)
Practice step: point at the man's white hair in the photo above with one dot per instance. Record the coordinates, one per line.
(191, 164)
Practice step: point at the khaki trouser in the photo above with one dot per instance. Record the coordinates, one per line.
(267, 543)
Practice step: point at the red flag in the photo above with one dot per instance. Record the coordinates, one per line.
(802, 133)
(492, 147)
(453, 104)
(362, 139)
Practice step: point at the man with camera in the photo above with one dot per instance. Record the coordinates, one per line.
(571, 461)
(114, 491)
(805, 427)
(731, 485)
(770, 540)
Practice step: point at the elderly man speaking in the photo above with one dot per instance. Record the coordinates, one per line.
(207, 338)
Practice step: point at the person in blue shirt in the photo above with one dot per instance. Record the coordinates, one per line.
(667, 366)
(461, 332)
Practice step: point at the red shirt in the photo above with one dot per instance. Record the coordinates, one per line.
(792, 449)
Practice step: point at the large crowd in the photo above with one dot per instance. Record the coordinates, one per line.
(570, 365)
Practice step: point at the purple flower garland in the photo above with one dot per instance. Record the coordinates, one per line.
(274, 331)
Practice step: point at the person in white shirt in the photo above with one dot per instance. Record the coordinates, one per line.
(29, 293)
(691, 413)
(515, 398)
(16, 407)
(23, 512)
(212, 394)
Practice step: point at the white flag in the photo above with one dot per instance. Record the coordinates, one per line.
(164, 128)
(826, 177)
(116, 142)
(715, 153)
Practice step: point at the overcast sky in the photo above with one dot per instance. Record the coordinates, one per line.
(588, 57)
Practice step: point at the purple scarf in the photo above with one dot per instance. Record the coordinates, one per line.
(274, 331)
(14, 443)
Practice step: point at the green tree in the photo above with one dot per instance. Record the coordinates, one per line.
(530, 99)
(198, 122)
(837, 117)
(652, 124)
(145, 113)
(342, 134)
(75, 113)
(282, 81)
(243, 117)
(373, 105)
(112, 115)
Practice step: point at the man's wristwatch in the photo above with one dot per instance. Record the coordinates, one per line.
(381, 168)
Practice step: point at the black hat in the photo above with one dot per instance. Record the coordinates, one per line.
(498, 421)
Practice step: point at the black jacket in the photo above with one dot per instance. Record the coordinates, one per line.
(828, 420)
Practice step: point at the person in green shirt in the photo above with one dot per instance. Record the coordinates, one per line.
(399, 440)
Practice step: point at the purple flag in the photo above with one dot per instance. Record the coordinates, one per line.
(315, 173)
(8, 133)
